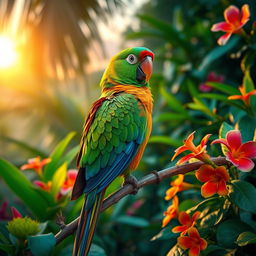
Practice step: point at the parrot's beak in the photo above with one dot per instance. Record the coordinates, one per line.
(144, 70)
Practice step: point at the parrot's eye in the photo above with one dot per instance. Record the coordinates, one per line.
(132, 59)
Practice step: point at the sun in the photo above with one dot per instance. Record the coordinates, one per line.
(8, 53)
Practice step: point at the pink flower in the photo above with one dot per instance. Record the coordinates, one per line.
(239, 154)
(134, 207)
(212, 77)
(69, 182)
(234, 21)
(15, 213)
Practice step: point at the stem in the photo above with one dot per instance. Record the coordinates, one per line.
(152, 178)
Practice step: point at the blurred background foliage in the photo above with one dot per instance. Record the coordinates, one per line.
(49, 91)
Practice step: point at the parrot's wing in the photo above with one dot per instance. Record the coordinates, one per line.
(112, 140)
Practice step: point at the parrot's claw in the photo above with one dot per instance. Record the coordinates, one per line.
(129, 179)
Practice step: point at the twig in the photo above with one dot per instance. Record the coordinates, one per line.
(154, 177)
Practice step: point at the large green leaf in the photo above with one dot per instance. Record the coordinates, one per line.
(228, 89)
(165, 140)
(56, 156)
(248, 127)
(42, 245)
(22, 187)
(228, 232)
(243, 195)
(165, 234)
(246, 238)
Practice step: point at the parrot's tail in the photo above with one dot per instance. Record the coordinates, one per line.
(87, 223)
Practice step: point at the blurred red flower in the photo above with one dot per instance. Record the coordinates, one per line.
(215, 180)
(36, 164)
(198, 152)
(234, 21)
(238, 154)
(193, 242)
(134, 207)
(245, 96)
(44, 186)
(171, 212)
(211, 77)
(69, 182)
(176, 186)
(186, 221)
(15, 213)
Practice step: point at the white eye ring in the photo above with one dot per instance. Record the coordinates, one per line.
(132, 59)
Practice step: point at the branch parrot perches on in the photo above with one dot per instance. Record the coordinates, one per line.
(115, 135)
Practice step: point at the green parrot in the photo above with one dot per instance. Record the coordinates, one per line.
(115, 135)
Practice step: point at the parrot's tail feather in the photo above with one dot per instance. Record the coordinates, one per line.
(86, 225)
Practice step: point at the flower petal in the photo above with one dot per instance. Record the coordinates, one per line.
(203, 244)
(166, 220)
(184, 218)
(204, 140)
(195, 216)
(223, 39)
(248, 149)
(222, 171)
(194, 251)
(178, 151)
(222, 141)
(185, 242)
(232, 15)
(222, 26)
(209, 188)
(222, 188)
(245, 13)
(235, 97)
(171, 192)
(178, 180)
(15, 213)
(185, 158)
(205, 173)
(245, 164)
(179, 229)
(193, 232)
(234, 139)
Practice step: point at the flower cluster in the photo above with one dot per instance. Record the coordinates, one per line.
(215, 179)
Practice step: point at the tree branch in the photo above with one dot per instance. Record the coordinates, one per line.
(154, 177)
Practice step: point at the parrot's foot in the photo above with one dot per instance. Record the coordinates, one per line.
(129, 179)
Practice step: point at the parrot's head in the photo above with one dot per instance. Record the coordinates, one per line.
(132, 66)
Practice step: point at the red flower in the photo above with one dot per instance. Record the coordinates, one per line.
(176, 186)
(215, 180)
(212, 77)
(15, 213)
(239, 154)
(245, 96)
(234, 21)
(193, 242)
(69, 182)
(186, 221)
(198, 152)
(44, 186)
(36, 164)
(171, 212)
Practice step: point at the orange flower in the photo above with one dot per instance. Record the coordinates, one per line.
(69, 182)
(36, 164)
(215, 180)
(234, 21)
(171, 212)
(198, 152)
(193, 242)
(177, 186)
(44, 186)
(186, 221)
(245, 96)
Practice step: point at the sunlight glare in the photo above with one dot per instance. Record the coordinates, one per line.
(8, 54)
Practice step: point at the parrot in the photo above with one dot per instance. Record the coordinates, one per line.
(114, 137)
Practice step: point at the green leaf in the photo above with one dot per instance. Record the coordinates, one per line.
(228, 89)
(132, 221)
(71, 154)
(42, 245)
(96, 251)
(172, 102)
(216, 53)
(246, 238)
(228, 232)
(212, 219)
(173, 117)
(165, 140)
(243, 195)
(58, 179)
(165, 234)
(56, 155)
(247, 82)
(247, 126)
(176, 251)
(22, 187)
(186, 204)
(10, 249)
